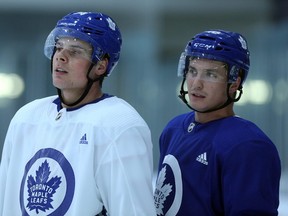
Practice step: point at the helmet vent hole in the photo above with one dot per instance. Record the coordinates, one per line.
(218, 48)
(222, 47)
(207, 38)
(90, 30)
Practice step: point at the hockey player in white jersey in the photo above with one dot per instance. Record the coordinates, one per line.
(83, 152)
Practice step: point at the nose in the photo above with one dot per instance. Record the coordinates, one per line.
(60, 56)
(197, 83)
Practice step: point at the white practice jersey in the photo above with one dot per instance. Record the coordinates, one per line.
(74, 162)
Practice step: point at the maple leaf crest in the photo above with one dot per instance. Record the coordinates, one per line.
(41, 189)
(161, 192)
(243, 42)
(112, 25)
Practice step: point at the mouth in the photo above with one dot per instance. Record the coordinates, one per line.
(60, 70)
(197, 95)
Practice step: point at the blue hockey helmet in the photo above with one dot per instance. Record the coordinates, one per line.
(97, 29)
(225, 46)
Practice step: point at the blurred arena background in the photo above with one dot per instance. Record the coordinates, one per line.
(154, 34)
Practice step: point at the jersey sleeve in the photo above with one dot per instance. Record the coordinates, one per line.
(4, 168)
(162, 149)
(251, 178)
(124, 178)
(3, 173)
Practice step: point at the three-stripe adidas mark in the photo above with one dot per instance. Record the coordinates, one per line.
(83, 139)
(202, 158)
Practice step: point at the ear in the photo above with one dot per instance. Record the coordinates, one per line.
(101, 67)
(235, 85)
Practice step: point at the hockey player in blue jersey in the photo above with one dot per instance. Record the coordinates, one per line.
(213, 162)
(82, 152)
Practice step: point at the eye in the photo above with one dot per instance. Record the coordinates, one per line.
(58, 47)
(212, 74)
(74, 52)
(192, 71)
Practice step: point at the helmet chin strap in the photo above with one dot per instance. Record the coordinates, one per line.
(228, 101)
(84, 94)
(87, 89)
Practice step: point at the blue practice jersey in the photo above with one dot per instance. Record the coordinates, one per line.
(223, 167)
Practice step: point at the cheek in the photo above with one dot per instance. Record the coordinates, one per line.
(80, 69)
(216, 90)
(222, 88)
(219, 91)
(189, 84)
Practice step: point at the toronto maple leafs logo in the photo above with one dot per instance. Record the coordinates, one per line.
(243, 42)
(161, 192)
(41, 189)
(112, 25)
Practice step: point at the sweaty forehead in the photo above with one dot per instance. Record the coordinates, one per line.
(205, 63)
(73, 42)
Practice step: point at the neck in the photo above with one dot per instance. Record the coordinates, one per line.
(214, 115)
(69, 97)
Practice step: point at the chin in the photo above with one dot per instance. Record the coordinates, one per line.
(198, 108)
(57, 85)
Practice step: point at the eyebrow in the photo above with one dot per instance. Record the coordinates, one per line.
(206, 69)
(72, 46)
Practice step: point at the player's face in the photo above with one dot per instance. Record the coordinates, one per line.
(206, 83)
(71, 63)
